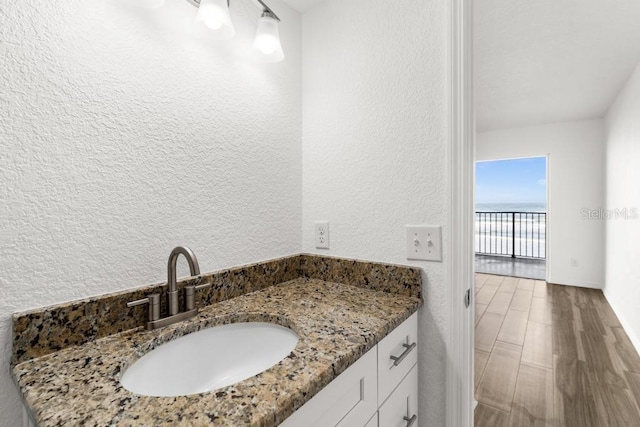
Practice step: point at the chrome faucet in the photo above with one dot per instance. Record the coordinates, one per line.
(175, 315)
(194, 270)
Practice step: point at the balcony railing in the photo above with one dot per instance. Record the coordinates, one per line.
(515, 234)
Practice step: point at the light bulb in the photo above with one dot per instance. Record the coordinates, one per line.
(214, 14)
(266, 46)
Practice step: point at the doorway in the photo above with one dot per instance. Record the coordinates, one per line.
(537, 92)
(510, 217)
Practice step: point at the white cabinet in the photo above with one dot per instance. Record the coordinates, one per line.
(373, 422)
(401, 408)
(27, 420)
(397, 353)
(380, 389)
(349, 400)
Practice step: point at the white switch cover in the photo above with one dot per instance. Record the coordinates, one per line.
(322, 234)
(424, 242)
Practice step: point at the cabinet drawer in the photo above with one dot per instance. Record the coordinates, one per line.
(348, 400)
(402, 406)
(397, 353)
(373, 422)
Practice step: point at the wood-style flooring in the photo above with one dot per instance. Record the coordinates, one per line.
(551, 355)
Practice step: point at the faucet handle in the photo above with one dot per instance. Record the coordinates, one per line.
(206, 285)
(154, 305)
(190, 295)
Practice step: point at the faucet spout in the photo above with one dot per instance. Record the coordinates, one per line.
(194, 270)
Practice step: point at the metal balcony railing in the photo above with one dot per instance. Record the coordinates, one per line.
(516, 234)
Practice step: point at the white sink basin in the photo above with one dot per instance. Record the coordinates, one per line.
(209, 359)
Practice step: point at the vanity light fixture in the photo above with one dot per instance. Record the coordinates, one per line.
(214, 14)
(267, 45)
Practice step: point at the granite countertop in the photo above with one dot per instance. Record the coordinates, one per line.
(336, 324)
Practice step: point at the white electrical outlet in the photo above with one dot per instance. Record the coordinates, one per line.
(322, 234)
(424, 242)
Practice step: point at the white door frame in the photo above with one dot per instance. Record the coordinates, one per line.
(461, 155)
(547, 269)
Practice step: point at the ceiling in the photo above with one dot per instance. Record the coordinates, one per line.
(548, 61)
(302, 5)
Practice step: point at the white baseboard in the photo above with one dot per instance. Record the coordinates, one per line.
(590, 285)
(633, 337)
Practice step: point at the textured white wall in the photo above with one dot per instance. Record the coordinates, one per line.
(302, 5)
(576, 181)
(374, 150)
(623, 235)
(123, 133)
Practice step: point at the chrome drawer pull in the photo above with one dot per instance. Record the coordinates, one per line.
(407, 349)
(411, 420)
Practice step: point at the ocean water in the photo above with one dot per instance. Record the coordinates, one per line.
(521, 234)
(511, 207)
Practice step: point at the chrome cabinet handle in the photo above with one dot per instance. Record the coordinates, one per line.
(410, 421)
(407, 349)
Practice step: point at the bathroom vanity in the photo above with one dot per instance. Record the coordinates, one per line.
(355, 362)
(379, 389)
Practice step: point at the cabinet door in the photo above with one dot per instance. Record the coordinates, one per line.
(27, 420)
(401, 408)
(397, 353)
(373, 422)
(349, 400)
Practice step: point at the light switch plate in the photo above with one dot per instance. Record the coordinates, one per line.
(424, 242)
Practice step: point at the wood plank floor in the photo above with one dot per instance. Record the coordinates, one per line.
(551, 355)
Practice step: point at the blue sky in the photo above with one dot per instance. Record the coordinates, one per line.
(511, 181)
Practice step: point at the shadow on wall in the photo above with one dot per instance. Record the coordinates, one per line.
(432, 364)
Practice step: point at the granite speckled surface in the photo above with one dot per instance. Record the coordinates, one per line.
(45, 330)
(397, 279)
(336, 324)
